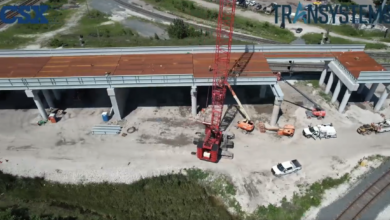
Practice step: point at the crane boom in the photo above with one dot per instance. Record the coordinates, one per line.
(238, 102)
(303, 94)
(224, 36)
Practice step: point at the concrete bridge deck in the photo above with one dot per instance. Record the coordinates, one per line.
(50, 71)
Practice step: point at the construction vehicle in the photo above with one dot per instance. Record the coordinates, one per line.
(316, 112)
(212, 147)
(247, 125)
(287, 130)
(320, 131)
(380, 127)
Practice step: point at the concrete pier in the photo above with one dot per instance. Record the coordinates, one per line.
(38, 102)
(118, 98)
(194, 105)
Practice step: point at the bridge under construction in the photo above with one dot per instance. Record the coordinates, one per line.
(115, 69)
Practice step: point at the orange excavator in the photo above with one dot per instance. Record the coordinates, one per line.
(247, 125)
(287, 130)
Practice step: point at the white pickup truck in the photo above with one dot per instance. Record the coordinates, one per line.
(286, 168)
(320, 131)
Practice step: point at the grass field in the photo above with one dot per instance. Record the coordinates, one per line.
(116, 35)
(348, 30)
(314, 38)
(11, 38)
(174, 196)
(261, 29)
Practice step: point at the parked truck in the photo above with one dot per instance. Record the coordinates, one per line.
(286, 168)
(376, 128)
(320, 131)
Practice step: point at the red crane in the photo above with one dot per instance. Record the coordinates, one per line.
(209, 149)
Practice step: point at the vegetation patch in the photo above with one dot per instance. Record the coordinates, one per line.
(21, 34)
(314, 38)
(173, 196)
(262, 29)
(348, 30)
(98, 30)
(300, 203)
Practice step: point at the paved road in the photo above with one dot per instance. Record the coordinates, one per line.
(334, 209)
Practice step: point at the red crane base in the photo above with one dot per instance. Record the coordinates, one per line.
(209, 149)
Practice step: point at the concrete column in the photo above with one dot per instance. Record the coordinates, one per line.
(49, 98)
(275, 112)
(323, 76)
(345, 100)
(263, 90)
(38, 103)
(336, 91)
(118, 98)
(381, 100)
(361, 88)
(330, 83)
(371, 92)
(194, 105)
(57, 94)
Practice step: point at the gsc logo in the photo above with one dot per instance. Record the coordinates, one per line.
(24, 11)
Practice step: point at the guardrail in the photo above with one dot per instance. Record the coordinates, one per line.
(180, 50)
(122, 82)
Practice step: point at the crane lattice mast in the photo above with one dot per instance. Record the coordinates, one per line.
(221, 68)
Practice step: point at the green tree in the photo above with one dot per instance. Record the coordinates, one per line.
(178, 29)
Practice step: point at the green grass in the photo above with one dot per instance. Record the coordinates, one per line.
(348, 30)
(296, 208)
(11, 38)
(262, 29)
(116, 35)
(173, 196)
(314, 38)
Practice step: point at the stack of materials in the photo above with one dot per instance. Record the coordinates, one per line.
(106, 129)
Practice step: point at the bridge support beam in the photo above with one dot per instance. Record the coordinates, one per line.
(38, 102)
(194, 105)
(275, 111)
(345, 101)
(263, 91)
(382, 99)
(361, 88)
(371, 92)
(118, 98)
(336, 91)
(57, 94)
(330, 83)
(323, 74)
(49, 98)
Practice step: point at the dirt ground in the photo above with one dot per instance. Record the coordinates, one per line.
(66, 152)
